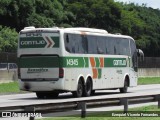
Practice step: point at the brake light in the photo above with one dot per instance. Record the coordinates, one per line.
(61, 72)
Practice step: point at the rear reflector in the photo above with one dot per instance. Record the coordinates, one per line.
(61, 72)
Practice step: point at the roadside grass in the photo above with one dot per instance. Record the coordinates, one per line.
(149, 80)
(102, 116)
(11, 87)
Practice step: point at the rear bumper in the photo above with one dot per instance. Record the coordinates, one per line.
(41, 85)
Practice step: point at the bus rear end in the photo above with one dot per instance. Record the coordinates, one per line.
(39, 60)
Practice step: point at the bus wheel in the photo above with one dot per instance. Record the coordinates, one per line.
(80, 89)
(125, 88)
(88, 88)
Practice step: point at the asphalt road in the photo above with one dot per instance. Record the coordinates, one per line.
(30, 98)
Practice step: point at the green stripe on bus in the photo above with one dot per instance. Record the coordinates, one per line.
(115, 62)
(39, 62)
(97, 62)
(80, 62)
(68, 62)
(56, 41)
(73, 62)
(86, 61)
(99, 73)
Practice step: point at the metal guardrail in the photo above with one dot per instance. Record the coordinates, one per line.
(86, 102)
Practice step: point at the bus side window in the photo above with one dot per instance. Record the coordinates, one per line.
(73, 40)
(67, 38)
(66, 41)
(101, 48)
(109, 45)
(124, 47)
(84, 44)
(92, 44)
(114, 44)
(115, 51)
(77, 43)
(70, 43)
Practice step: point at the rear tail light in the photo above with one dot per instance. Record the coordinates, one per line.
(61, 72)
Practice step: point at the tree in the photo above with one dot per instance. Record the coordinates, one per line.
(140, 22)
(39, 21)
(104, 14)
(8, 39)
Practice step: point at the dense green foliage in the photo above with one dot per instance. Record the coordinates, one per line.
(140, 22)
(8, 39)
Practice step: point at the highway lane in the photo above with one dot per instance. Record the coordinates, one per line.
(30, 98)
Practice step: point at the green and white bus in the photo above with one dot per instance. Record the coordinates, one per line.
(77, 60)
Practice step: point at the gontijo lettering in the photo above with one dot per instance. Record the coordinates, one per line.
(41, 42)
(119, 62)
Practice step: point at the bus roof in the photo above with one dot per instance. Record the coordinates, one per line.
(83, 29)
(74, 29)
(80, 29)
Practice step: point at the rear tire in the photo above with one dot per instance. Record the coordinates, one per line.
(125, 88)
(88, 88)
(80, 89)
